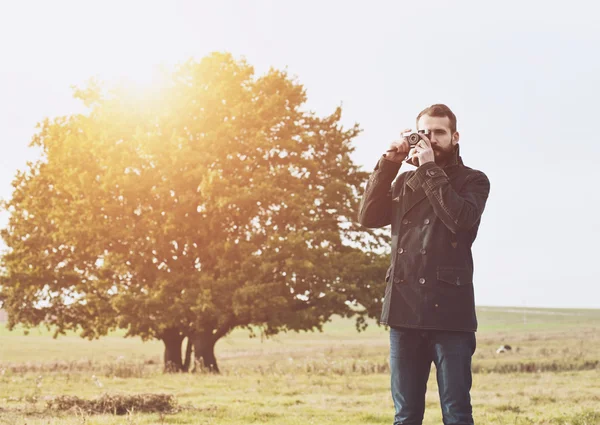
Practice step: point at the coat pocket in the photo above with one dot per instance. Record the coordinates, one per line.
(455, 276)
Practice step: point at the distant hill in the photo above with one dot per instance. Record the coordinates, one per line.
(492, 318)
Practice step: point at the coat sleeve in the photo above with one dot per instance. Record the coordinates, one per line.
(376, 204)
(459, 211)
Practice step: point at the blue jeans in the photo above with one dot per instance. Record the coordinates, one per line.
(411, 354)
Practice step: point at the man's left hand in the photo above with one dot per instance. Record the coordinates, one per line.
(422, 152)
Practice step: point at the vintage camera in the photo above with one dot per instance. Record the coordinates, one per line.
(413, 138)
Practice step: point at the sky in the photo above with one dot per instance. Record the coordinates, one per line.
(522, 78)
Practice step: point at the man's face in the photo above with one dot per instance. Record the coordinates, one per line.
(442, 139)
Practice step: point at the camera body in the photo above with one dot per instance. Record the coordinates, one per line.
(413, 138)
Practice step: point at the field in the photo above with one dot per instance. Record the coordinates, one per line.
(552, 376)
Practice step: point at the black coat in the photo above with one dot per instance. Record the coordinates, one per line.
(435, 214)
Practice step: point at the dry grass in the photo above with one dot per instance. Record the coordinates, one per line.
(551, 377)
(115, 404)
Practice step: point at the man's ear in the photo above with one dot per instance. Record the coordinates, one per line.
(455, 138)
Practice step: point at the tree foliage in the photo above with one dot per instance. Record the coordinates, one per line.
(213, 202)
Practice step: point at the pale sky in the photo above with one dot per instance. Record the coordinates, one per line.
(522, 78)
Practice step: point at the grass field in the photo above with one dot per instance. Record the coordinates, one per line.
(552, 375)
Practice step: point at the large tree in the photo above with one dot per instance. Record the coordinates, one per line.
(212, 202)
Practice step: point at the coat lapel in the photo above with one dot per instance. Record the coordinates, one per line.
(413, 193)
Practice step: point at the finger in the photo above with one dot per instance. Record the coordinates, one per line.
(422, 145)
(412, 155)
(425, 139)
(400, 145)
(394, 145)
(405, 133)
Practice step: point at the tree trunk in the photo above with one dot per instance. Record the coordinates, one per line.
(204, 353)
(172, 340)
(188, 355)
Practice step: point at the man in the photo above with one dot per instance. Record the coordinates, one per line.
(434, 212)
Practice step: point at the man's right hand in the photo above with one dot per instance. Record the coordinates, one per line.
(398, 150)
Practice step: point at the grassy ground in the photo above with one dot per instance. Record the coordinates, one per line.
(552, 375)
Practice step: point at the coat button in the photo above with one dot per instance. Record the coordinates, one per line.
(422, 281)
(400, 251)
(423, 251)
(397, 280)
(437, 305)
(405, 221)
(427, 221)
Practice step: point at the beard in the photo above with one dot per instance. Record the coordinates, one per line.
(444, 156)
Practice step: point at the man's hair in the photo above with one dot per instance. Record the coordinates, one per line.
(439, 110)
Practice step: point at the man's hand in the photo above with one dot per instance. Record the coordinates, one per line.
(422, 152)
(398, 149)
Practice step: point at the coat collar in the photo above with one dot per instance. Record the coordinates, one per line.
(456, 159)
